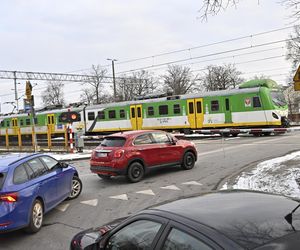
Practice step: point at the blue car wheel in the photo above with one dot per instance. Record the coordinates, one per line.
(36, 217)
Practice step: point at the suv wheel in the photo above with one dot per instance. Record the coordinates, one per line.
(188, 161)
(36, 217)
(135, 172)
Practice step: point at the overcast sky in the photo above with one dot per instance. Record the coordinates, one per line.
(70, 36)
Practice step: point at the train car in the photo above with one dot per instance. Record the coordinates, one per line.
(257, 103)
(45, 121)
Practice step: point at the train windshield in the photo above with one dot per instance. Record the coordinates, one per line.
(278, 98)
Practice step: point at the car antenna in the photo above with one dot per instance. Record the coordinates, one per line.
(289, 217)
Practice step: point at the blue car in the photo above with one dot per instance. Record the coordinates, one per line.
(30, 186)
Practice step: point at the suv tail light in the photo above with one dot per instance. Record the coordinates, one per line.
(11, 197)
(118, 153)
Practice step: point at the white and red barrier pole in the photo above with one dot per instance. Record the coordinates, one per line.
(71, 138)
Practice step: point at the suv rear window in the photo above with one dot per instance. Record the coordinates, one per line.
(2, 178)
(113, 142)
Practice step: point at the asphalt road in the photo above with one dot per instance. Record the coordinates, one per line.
(102, 201)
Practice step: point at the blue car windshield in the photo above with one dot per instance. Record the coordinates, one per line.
(278, 98)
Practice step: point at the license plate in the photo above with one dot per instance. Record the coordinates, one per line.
(101, 154)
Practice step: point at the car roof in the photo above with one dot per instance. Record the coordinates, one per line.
(7, 159)
(249, 218)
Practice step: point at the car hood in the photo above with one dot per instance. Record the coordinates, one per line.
(85, 239)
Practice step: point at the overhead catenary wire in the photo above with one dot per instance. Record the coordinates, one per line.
(192, 48)
(209, 55)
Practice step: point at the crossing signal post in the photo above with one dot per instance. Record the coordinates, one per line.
(29, 108)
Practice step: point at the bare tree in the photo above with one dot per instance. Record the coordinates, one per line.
(87, 96)
(213, 7)
(139, 84)
(93, 94)
(293, 47)
(221, 77)
(53, 95)
(179, 80)
(259, 77)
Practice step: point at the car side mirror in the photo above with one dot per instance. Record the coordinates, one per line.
(63, 164)
(174, 141)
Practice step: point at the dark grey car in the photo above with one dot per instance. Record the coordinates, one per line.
(221, 220)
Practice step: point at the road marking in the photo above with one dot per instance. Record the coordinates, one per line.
(93, 202)
(62, 207)
(148, 191)
(192, 183)
(120, 197)
(171, 187)
(233, 138)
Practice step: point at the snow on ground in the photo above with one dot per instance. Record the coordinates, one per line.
(86, 154)
(279, 175)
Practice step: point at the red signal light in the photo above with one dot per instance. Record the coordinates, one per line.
(73, 117)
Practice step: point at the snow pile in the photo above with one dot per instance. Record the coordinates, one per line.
(279, 175)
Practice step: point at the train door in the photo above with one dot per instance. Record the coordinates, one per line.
(50, 122)
(15, 125)
(227, 111)
(136, 117)
(195, 112)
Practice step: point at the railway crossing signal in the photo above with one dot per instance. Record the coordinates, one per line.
(70, 116)
(297, 80)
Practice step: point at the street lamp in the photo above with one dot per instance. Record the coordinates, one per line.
(113, 73)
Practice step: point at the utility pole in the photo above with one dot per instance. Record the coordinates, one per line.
(16, 91)
(113, 73)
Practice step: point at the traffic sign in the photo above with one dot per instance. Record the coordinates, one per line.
(297, 80)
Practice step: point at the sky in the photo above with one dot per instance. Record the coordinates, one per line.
(71, 36)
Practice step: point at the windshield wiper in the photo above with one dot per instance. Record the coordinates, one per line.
(289, 217)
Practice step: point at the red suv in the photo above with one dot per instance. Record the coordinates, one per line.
(133, 153)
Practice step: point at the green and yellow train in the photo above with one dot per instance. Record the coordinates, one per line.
(257, 103)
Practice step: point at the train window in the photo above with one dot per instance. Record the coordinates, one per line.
(227, 104)
(122, 113)
(191, 108)
(7, 124)
(176, 109)
(256, 102)
(150, 111)
(199, 107)
(215, 105)
(112, 114)
(21, 122)
(139, 112)
(2, 123)
(27, 121)
(101, 115)
(91, 116)
(132, 112)
(163, 109)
